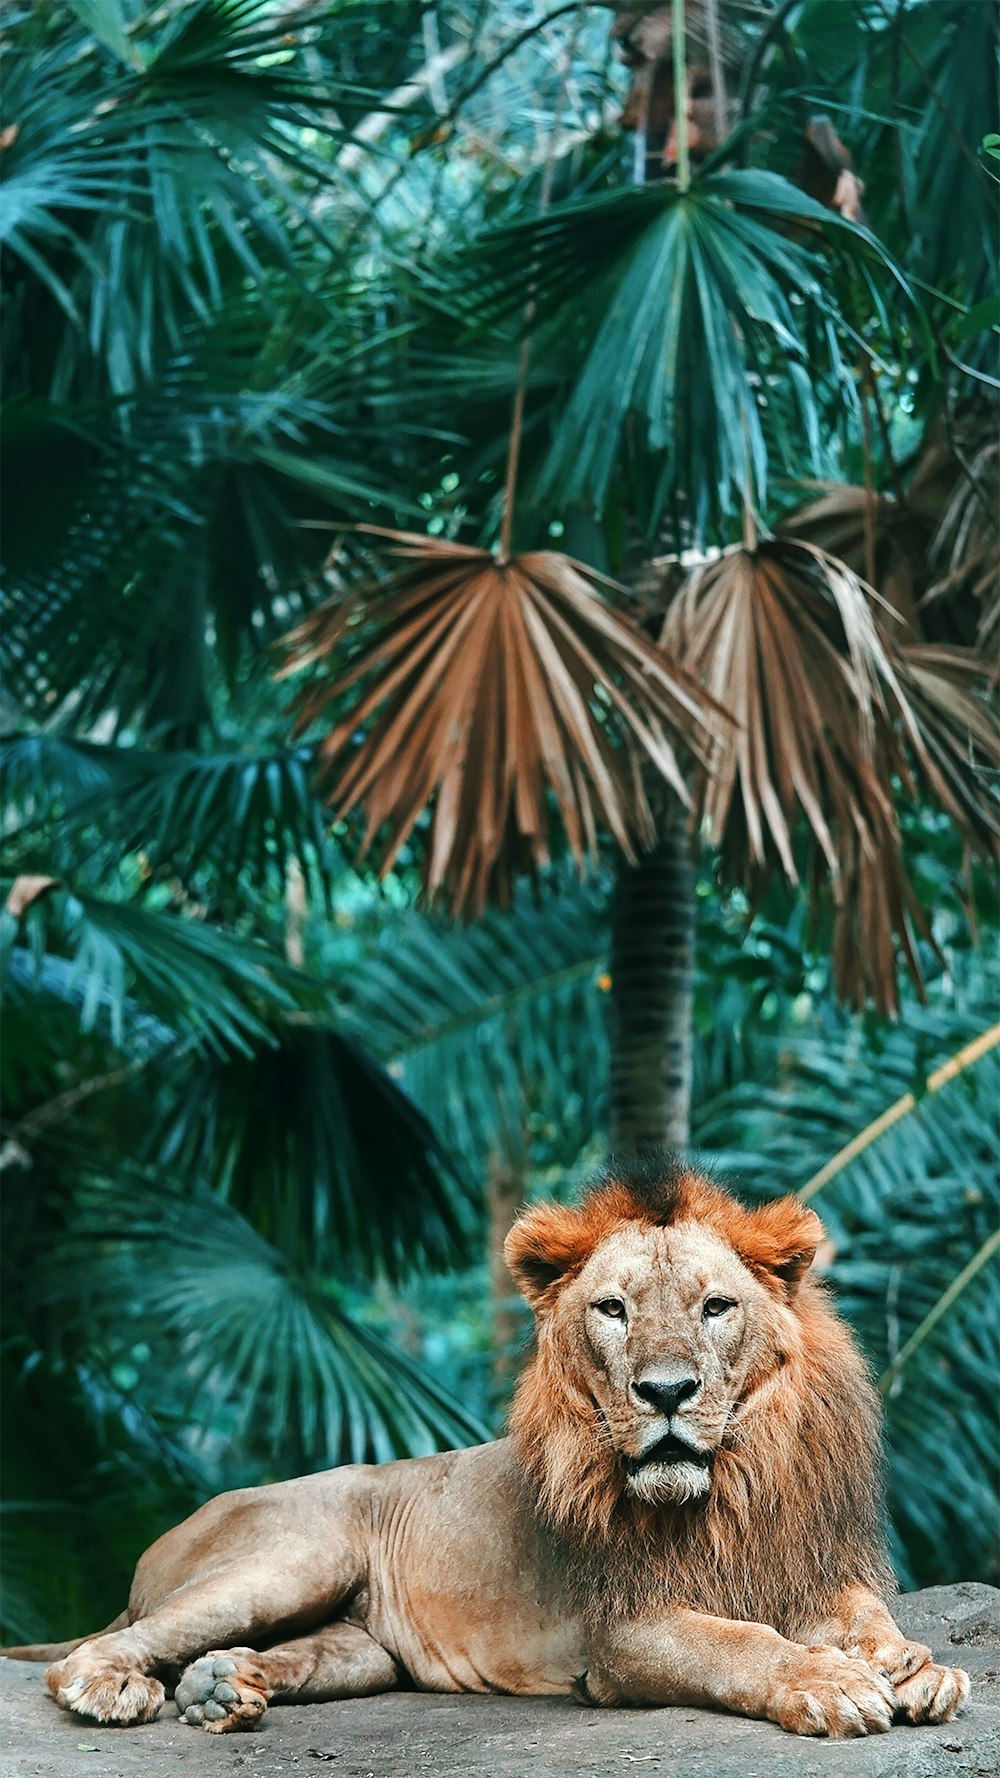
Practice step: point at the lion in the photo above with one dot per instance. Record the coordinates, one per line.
(686, 1511)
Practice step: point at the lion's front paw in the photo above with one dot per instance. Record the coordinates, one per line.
(222, 1691)
(106, 1688)
(824, 1692)
(932, 1693)
(924, 1691)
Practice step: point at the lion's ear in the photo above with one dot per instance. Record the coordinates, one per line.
(782, 1240)
(543, 1246)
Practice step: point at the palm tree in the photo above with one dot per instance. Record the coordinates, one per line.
(707, 335)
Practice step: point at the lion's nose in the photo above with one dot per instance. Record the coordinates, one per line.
(666, 1393)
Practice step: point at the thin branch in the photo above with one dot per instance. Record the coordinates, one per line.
(56, 1110)
(681, 98)
(373, 127)
(955, 1065)
(524, 358)
(892, 1375)
(503, 55)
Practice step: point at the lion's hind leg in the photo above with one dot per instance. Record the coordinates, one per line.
(110, 1678)
(229, 1689)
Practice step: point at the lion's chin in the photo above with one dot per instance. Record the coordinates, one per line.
(662, 1484)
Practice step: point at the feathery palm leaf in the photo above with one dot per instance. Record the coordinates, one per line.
(498, 1028)
(494, 685)
(784, 636)
(912, 1209)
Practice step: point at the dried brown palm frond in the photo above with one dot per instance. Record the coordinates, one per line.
(965, 549)
(879, 537)
(934, 553)
(489, 690)
(830, 716)
(947, 692)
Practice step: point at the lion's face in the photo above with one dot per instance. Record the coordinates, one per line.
(666, 1326)
(663, 1322)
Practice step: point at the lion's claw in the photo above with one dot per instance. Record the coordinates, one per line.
(925, 1692)
(932, 1694)
(222, 1691)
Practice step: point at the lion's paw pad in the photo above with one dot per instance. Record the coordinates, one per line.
(222, 1691)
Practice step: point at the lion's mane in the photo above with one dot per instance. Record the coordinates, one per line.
(795, 1508)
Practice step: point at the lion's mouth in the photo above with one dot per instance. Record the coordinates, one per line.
(668, 1450)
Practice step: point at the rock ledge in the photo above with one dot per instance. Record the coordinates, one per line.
(409, 1735)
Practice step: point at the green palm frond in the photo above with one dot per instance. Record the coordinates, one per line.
(179, 165)
(910, 1203)
(705, 299)
(288, 1370)
(216, 991)
(242, 814)
(808, 1097)
(80, 1454)
(324, 1153)
(146, 538)
(497, 1029)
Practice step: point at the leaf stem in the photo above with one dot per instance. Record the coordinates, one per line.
(524, 359)
(891, 1375)
(680, 98)
(956, 1064)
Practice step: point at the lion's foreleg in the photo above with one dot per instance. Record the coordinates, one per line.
(860, 1623)
(229, 1688)
(692, 1658)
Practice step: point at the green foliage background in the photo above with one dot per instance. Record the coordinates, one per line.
(251, 1096)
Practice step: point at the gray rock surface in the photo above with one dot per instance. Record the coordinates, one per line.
(411, 1735)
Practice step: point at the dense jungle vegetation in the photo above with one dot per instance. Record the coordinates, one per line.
(501, 558)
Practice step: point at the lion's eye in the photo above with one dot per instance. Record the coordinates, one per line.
(613, 1307)
(717, 1305)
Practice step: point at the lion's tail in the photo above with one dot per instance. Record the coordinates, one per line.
(56, 1651)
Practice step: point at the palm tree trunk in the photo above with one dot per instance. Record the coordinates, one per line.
(652, 970)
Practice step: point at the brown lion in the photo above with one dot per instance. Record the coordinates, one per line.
(686, 1511)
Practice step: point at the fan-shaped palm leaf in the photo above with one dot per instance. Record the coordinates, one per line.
(177, 156)
(494, 685)
(272, 1344)
(216, 990)
(324, 1153)
(935, 548)
(238, 812)
(703, 296)
(785, 637)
